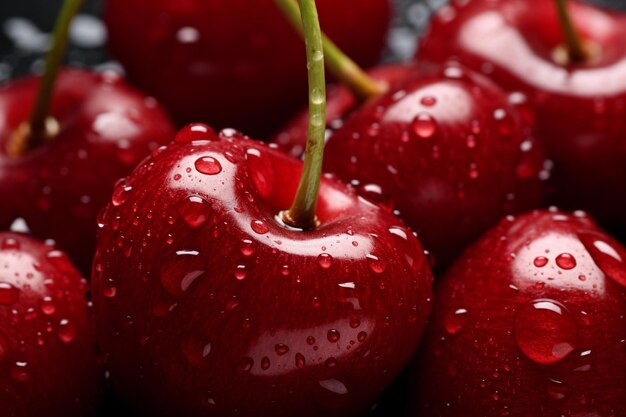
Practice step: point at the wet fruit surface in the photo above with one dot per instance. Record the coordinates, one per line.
(547, 336)
(233, 63)
(207, 304)
(105, 129)
(447, 151)
(47, 353)
(580, 107)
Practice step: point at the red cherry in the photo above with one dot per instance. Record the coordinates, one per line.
(206, 303)
(509, 335)
(447, 150)
(105, 129)
(579, 106)
(232, 63)
(47, 356)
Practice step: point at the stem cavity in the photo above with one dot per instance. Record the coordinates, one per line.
(574, 44)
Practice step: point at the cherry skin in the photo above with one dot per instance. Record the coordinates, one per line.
(447, 150)
(579, 107)
(207, 305)
(530, 321)
(47, 356)
(233, 63)
(105, 129)
(340, 103)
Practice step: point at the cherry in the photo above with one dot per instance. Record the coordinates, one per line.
(214, 296)
(61, 151)
(204, 58)
(530, 318)
(47, 356)
(579, 97)
(448, 151)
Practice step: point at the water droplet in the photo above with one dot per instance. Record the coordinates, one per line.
(540, 261)
(281, 349)
(330, 362)
(194, 350)
(300, 361)
(246, 364)
(194, 132)
(67, 331)
(8, 293)
(376, 265)
(566, 261)
(240, 272)
(259, 227)
(47, 307)
(608, 257)
(545, 332)
(333, 335)
(120, 193)
(310, 340)
(194, 210)
(428, 101)
(19, 371)
(455, 321)
(361, 336)
(208, 165)
(265, 363)
(10, 244)
(325, 260)
(109, 292)
(424, 126)
(334, 386)
(246, 247)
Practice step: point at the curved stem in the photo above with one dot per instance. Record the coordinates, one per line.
(341, 66)
(302, 211)
(573, 42)
(40, 127)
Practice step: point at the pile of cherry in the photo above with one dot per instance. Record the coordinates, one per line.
(207, 303)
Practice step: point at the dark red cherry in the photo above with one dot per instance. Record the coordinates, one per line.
(208, 304)
(104, 129)
(580, 106)
(531, 317)
(448, 151)
(236, 62)
(47, 352)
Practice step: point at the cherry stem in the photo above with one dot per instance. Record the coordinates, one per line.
(573, 41)
(34, 133)
(340, 65)
(302, 211)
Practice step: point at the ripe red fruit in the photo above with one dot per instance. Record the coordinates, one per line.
(232, 63)
(207, 304)
(47, 355)
(531, 320)
(579, 106)
(105, 129)
(447, 150)
(340, 103)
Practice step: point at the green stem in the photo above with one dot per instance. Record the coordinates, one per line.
(40, 127)
(573, 41)
(341, 66)
(302, 211)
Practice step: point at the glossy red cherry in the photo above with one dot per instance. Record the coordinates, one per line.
(530, 321)
(448, 151)
(47, 352)
(207, 304)
(232, 63)
(105, 128)
(579, 106)
(340, 103)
